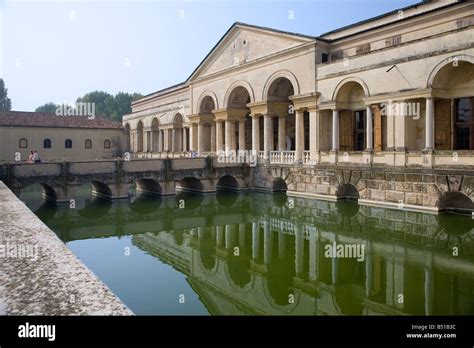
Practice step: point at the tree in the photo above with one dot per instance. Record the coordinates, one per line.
(48, 107)
(5, 102)
(109, 106)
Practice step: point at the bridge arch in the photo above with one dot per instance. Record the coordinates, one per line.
(100, 190)
(190, 184)
(227, 183)
(147, 186)
(455, 202)
(347, 191)
(279, 185)
(38, 195)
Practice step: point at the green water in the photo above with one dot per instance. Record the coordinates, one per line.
(255, 253)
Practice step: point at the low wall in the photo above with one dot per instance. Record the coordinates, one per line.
(39, 275)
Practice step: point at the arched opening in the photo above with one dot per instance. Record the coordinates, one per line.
(352, 117)
(454, 106)
(95, 208)
(227, 183)
(140, 136)
(92, 200)
(238, 268)
(279, 185)
(46, 143)
(207, 139)
(38, 196)
(347, 191)
(280, 275)
(189, 200)
(148, 187)
(68, 144)
(207, 249)
(283, 121)
(126, 131)
(101, 190)
(190, 184)
(143, 204)
(240, 121)
(155, 124)
(456, 202)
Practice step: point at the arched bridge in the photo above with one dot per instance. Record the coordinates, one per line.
(113, 178)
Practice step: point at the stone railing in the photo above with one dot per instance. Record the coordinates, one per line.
(306, 157)
(261, 156)
(282, 157)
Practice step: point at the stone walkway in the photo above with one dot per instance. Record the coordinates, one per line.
(39, 275)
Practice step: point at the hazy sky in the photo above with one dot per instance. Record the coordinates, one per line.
(58, 50)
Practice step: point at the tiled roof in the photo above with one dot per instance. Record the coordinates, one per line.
(50, 120)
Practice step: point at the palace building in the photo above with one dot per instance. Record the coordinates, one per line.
(384, 91)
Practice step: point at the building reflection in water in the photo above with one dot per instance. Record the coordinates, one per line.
(258, 253)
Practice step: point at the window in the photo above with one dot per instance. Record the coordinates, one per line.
(361, 49)
(393, 41)
(88, 144)
(46, 143)
(68, 144)
(107, 144)
(324, 57)
(359, 130)
(23, 143)
(463, 124)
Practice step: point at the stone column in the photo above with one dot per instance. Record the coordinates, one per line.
(228, 135)
(160, 141)
(165, 140)
(185, 140)
(242, 235)
(313, 135)
(200, 137)
(170, 140)
(299, 249)
(219, 140)
(369, 129)
(268, 135)
(256, 133)
(173, 140)
(242, 135)
(299, 130)
(282, 133)
(255, 240)
(281, 245)
(194, 136)
(429, 126)
(335, 130)
(213, 136)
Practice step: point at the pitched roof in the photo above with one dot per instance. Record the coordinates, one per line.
(50, 120)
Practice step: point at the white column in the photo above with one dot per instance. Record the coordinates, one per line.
(369, 129)
(299, 249)
(267, 243)
(335, 130)
(200, 138)
(368, 270)
(281, 245)
(160, 141)
(170, 139)
(256, 133)
(242, 135)
(194, 136)
(213, 136)
(228, 135)
(268, 135)
(299, 130)
(173, 139)
(429, 126)
(185, 140)
(219, 139)
(233, 139)
(313, 134)
(281, 133)
(255, 240)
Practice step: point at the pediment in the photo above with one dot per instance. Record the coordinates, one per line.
(243, 44)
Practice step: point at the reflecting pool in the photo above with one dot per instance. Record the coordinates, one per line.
(269, 254)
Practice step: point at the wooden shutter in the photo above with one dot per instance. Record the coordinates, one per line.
(378, 141)
(346, 132)
(443, 124)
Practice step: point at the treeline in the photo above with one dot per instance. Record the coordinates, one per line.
(108, 106)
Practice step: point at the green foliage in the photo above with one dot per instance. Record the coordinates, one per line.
(5, 102)
(48, 107)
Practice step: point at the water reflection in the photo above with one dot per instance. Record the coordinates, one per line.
(256, 253)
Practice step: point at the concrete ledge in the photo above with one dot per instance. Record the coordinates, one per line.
(47, 278)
